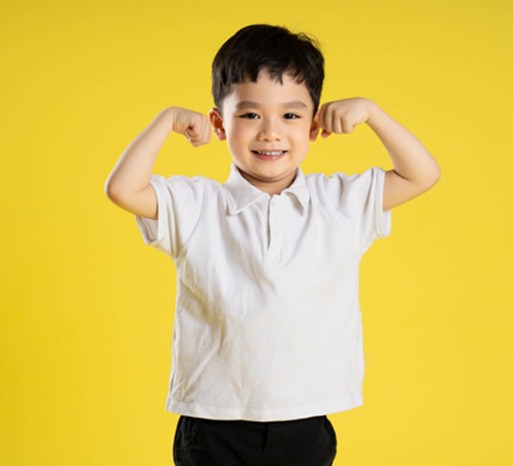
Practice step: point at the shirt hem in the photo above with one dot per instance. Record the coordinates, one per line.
(261, 415)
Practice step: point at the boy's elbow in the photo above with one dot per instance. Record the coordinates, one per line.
(110, 191)
(437, 174)
(113, 196)
(107, 189)
(432, 178)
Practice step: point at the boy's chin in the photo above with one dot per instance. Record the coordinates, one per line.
(269, 172)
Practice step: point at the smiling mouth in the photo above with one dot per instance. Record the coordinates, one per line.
(269, 154)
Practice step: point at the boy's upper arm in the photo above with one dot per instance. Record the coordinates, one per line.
(144, 203)
(397, 190)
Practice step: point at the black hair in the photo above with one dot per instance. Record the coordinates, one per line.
(271, 48)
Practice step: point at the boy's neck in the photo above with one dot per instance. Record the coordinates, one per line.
(270, 187)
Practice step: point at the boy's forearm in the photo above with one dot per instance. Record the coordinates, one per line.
(410, 158)
(133, 170)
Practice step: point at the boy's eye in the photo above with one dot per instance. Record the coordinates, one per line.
(249, 115)
(291, 116)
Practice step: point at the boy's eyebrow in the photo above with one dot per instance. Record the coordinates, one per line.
(250, 104)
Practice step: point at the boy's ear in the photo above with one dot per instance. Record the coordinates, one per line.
(314, 129)
(216, 121)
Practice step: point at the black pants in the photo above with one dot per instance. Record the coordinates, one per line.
(302, 442)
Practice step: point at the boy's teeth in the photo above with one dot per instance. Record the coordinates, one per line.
(266, 152)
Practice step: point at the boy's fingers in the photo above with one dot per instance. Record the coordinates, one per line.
(334, 121)
(348, 127)
(336, 124)
(198, 132)
(322, 116)
(199, 139)
(326, 127)
(328, 121)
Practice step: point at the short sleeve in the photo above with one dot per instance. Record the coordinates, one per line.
(359, 198)
(179, 201)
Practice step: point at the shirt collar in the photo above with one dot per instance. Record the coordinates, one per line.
(242, 194)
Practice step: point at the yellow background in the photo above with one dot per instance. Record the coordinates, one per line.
(87, 307)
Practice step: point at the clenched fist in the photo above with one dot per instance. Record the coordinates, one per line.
(342, 116)
(194, 126)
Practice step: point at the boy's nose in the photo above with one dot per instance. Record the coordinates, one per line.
(269, 131)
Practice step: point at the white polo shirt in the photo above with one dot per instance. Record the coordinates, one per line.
(267, 322)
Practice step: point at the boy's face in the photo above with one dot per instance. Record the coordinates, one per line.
(268, 127)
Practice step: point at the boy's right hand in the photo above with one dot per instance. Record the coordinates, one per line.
(194, 126)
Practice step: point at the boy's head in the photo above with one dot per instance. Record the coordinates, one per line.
(262, 47)
(267, 84)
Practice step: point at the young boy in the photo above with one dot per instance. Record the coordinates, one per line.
(267, 335)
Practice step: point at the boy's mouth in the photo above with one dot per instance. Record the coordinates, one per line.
(269, 154)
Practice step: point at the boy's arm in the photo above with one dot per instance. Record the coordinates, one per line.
(128, 185)
(415, 170)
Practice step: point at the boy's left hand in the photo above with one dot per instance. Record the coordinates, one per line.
(341, 116)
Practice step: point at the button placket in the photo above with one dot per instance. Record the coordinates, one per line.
(275, 230)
